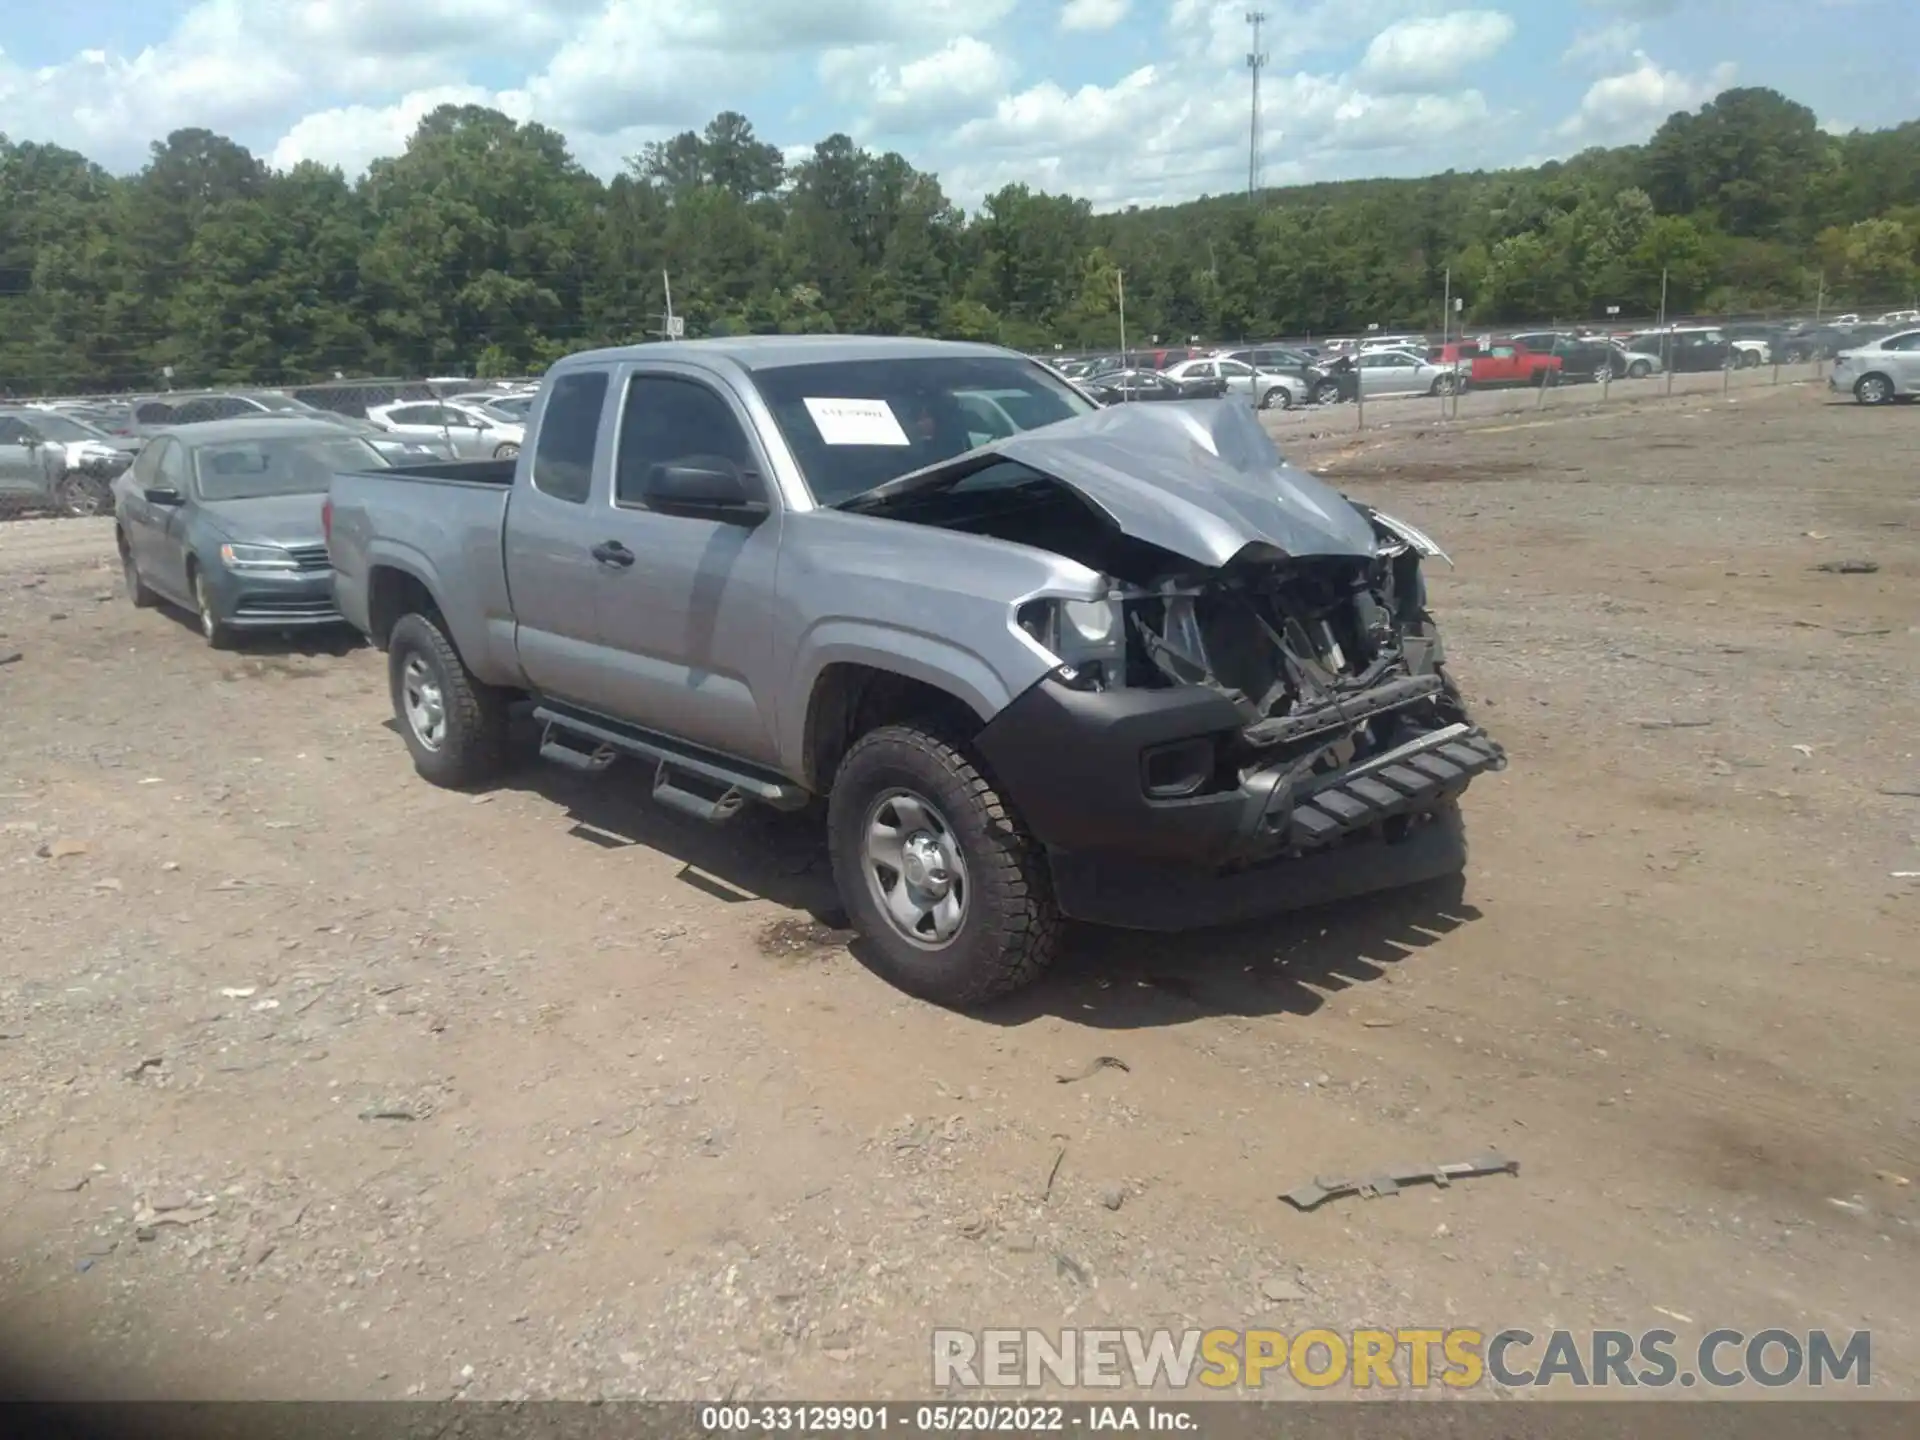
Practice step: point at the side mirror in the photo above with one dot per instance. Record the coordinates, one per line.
(163, 495)
(709, 485)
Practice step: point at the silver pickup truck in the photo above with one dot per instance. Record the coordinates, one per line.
(1041, 659)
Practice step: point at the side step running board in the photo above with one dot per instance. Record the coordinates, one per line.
(564, 729)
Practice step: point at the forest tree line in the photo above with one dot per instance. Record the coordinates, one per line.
(485, 248)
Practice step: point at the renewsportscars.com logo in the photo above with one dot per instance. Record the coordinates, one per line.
(1409, 1358)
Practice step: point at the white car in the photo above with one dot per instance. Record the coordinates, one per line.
(1881, 371)
(1267, 390)
(1749, 353)
(468, 431)
(1899, 317)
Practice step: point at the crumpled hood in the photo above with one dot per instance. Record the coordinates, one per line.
(1201, 479)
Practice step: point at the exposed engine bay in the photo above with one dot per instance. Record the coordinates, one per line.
(1328, 659)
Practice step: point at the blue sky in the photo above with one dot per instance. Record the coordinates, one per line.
(1125, 101)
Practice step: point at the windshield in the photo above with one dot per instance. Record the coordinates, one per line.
(63, 428)
(856, 424)
(297, 465)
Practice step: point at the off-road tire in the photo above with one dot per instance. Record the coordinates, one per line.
(475, 748)
(139, 592)
(1012, 926)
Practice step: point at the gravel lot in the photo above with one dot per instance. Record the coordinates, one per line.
(316, 1081)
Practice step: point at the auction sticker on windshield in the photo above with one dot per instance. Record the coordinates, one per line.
(856, 422)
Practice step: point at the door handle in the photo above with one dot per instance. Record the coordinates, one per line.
(612, 552)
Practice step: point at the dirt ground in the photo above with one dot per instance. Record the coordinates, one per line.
(547, 1093)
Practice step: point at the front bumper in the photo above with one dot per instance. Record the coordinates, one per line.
(274, 600)
(1072, 764)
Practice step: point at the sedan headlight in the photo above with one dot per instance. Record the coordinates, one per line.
(256, 557)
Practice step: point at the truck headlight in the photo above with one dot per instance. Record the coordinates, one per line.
(256, 557)
(1086, 637)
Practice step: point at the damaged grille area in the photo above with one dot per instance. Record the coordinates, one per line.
(1333, 665)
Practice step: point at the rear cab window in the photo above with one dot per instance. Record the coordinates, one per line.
(569, 437)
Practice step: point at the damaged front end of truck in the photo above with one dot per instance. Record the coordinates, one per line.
(1250, 697)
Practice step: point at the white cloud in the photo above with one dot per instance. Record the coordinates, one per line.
(1091, 15)
(1425, 55)
(352, 136)
(1631, 105)
(957, 80)
(1604, 48)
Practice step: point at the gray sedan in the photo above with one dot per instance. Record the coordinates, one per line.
(224, 518)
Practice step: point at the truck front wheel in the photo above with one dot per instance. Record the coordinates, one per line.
(952, 895)
(455, 727)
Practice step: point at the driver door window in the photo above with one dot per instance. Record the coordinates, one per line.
(668, 421)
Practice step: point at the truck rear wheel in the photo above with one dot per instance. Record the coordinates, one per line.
(951, 893)
(455, 727)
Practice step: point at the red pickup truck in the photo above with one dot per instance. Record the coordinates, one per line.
(1498, 362)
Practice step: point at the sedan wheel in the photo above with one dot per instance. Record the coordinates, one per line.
(1639, 370)
(505, 451)
(1602, 373)
(1873, 390)
(1278, 398)
(1326, 393)
(81, 496)
(216, 633)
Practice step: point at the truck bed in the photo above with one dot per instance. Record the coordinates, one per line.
(441, 522)
(471, 472)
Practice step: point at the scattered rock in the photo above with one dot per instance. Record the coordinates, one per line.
(12, 657)
(1282, 1289)
(1852, 1207)
(1021, 1243)
(1113, 1197)
(168, 1200)
(256, 1253)
(1675, 722)
(62, 849)
(238, 992)
(1891, 1178)
(108, 884)
(152, 1062)
(1848, 567)
(1910, 788)
(388, 1113)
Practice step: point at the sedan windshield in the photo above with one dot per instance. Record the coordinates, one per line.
(296, 465)
(856, 424)
(63, 428)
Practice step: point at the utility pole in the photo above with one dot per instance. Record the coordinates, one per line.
(1120, 290)
(1256, 62)
(670, 327)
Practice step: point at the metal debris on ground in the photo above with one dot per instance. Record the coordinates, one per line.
(1320, 1189)
(1848, 567)
(1060, 1156)
(1094, 1067)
